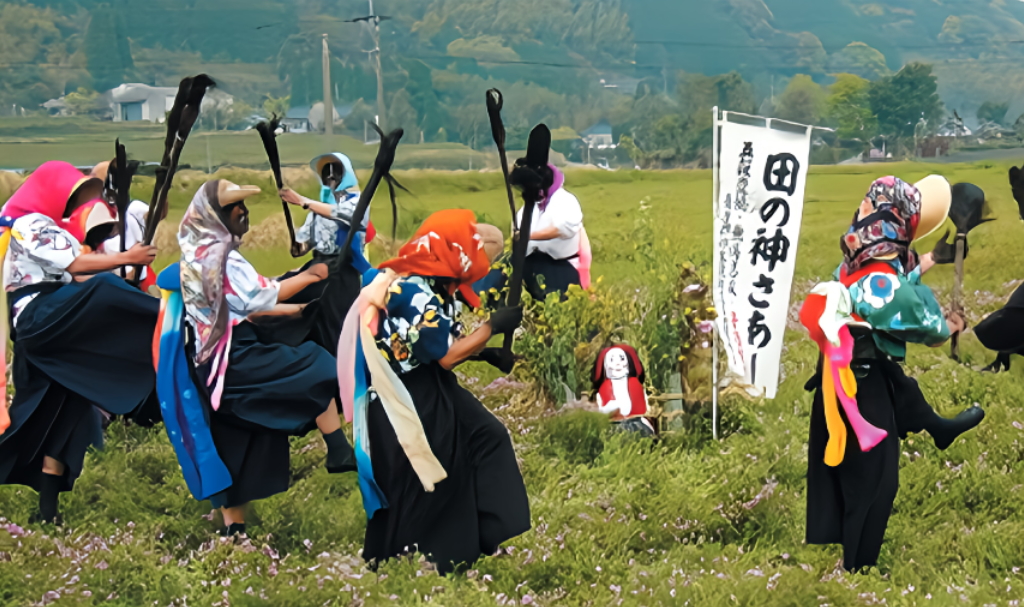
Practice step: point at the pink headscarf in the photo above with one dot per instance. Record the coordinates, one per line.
(46, 191)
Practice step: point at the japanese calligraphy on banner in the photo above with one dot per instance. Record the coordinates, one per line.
(761, 176)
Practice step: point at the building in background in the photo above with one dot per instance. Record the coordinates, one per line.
(599, 136)
(296, 120)
(599, 144)
(56, 107)
(134, 102)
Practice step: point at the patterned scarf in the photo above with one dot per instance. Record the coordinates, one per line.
(205, 245)
(360, 366)
(446, 246)
(888, 229)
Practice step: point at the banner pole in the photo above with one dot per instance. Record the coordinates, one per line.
(714, 249)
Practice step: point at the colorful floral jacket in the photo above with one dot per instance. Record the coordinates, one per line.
(899, 308)
(419, 326)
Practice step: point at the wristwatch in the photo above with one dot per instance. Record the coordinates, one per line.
(305, 206)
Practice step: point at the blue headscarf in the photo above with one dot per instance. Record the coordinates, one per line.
(348, 180)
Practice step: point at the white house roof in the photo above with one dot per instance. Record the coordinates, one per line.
(135, 92)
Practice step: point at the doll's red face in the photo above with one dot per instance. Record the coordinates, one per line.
(616, 364)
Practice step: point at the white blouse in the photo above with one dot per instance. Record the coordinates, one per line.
(563, 212)
(40, 252)
(246, 291)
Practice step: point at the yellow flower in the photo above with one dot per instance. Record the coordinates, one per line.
(681, 358)
(711, 310)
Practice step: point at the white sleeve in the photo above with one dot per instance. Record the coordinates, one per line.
(344, 209)
(248, 292)
(135, 223)
(134, 229)
(44, 242)
(566, 215)
(304, 235)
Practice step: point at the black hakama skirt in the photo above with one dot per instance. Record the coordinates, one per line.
(76, 347)
(271, 392)
(1003, 330)
(850, 504)
(481, 503)
(329, 301)
(543, 274)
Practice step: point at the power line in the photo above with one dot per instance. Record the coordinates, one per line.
(589, 66)
(762, 46)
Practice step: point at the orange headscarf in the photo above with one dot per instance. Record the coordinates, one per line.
(445, 246)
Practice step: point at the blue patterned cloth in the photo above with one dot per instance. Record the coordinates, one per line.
(184, 415)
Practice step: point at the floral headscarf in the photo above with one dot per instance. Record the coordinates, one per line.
(205, 245)
(447, 245)
(888, 229)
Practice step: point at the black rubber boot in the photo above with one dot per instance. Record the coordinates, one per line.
(49, 496)
(340, 455)
(947, 431)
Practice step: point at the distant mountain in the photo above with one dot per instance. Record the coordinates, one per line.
(443, 51)
(977, 46)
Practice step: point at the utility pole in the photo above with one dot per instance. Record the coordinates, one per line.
(375, 32)
(328, 102)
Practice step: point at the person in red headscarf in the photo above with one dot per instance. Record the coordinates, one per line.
(443, 477)
(81, 335)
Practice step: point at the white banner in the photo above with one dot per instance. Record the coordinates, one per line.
(761, 173)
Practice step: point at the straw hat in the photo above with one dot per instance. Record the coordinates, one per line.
(936, 199)
(318, 163)
(101, 170)
(229, 193)
(493, 239)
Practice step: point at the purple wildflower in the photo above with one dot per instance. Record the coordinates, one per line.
(15, 530)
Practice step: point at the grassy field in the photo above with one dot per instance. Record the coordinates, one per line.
(25, 143)
(687, 521)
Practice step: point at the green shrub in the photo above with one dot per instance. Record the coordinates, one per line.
(576, 437)
(659, 312)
